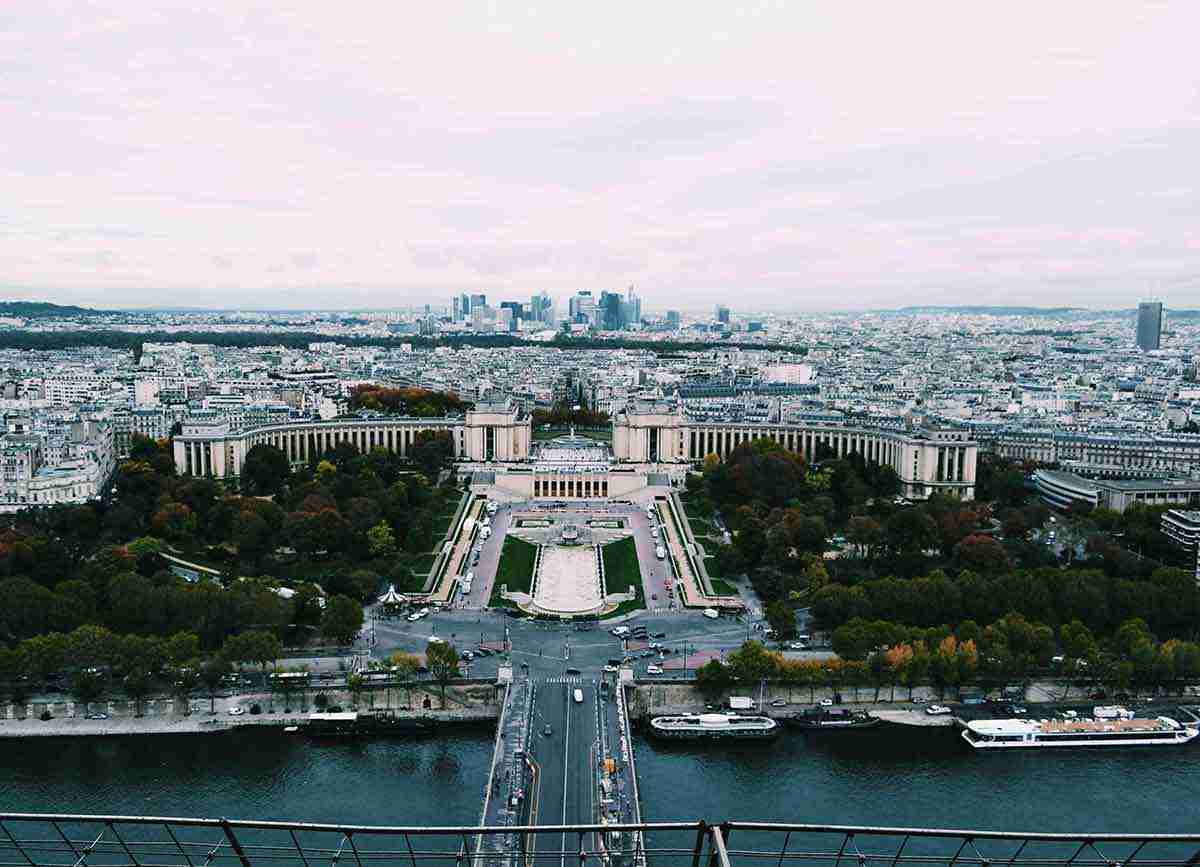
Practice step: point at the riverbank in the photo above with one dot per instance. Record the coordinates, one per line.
(176, 717)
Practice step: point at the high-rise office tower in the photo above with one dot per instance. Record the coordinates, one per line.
(610, 311)
(1149, 325)
(541, 307)
(514, 308)
(478, 301)
(456, 313)
(673, 319)
(582, 307)
(722, 313)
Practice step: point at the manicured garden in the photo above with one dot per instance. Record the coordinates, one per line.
(621, 570)
(515, 569)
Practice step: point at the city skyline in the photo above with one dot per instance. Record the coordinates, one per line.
(789, 156)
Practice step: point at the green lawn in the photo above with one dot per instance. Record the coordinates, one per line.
(516, 565)
(700, 527)
(713, 568)
(695, 507)
(621, 569)
(422, 563)
(720, 587)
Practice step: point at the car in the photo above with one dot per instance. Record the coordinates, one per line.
(826, 702)
(711, 613)
(937, 710)
(654, 669)
(1019, 710)
(779, 702)
(236, 711)
(656, 645)
(433, 639)
(97, 716)
(610, 669)
(574, 671)
(797, 645)
(547, 731)
(467, 656)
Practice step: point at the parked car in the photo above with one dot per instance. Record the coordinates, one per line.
(236, 711)
(654, 669)
(826, 702)
(797, 645)
(547, 731)
(937, 710)
(779, 702)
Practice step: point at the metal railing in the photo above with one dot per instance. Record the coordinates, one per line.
(35, 839)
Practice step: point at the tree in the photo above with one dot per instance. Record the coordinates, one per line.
(782, 619)
(256, 646)
(138, 683)
(431, 450)
(404, 668)
(342, 620)
(713, 678)
(982, 554)
(184, 680)
(264, 470)
(87, 686)
(212, 675)
(442, 659)
(381, 541)
(752, 662)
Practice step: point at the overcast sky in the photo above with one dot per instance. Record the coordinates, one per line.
(793, 155)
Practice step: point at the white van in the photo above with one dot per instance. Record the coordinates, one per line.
(485, 533)
(711, 613)
(491, 508)
(578, 694)
(660, 552)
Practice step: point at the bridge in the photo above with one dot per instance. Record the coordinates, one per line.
(54, 840)
(563, 756)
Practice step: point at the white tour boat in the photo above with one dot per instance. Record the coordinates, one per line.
(991, 734)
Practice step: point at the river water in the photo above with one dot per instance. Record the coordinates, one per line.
(885, 776)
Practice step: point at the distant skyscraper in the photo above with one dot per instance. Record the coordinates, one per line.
(456, 312)
(582, 307)
(610, 311)
(722, 314)
(541, 307)
(515, 308)
(478, 301)
(673, 318)
(1149, 325)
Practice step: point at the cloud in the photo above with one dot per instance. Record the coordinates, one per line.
(785, 155)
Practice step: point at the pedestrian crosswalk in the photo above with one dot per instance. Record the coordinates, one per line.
(565, 679)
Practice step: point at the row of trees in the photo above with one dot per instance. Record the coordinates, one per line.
(92, 661)
(420, 402)
(1007, 651)
(1168, 599)
(562, 414)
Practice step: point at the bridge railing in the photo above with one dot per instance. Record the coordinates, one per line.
(33, 840)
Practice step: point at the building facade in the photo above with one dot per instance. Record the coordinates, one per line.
(210, 446)
(927, 461)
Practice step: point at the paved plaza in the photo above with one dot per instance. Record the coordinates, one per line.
(567, 581)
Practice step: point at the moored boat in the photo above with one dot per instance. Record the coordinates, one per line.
(1111, 732)
(832, 719)
(714, 725)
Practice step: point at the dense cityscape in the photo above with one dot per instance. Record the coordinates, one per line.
(640, 435)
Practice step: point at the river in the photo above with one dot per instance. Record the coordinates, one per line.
(884, 776)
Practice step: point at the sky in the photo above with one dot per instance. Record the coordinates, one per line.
(773, 156)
